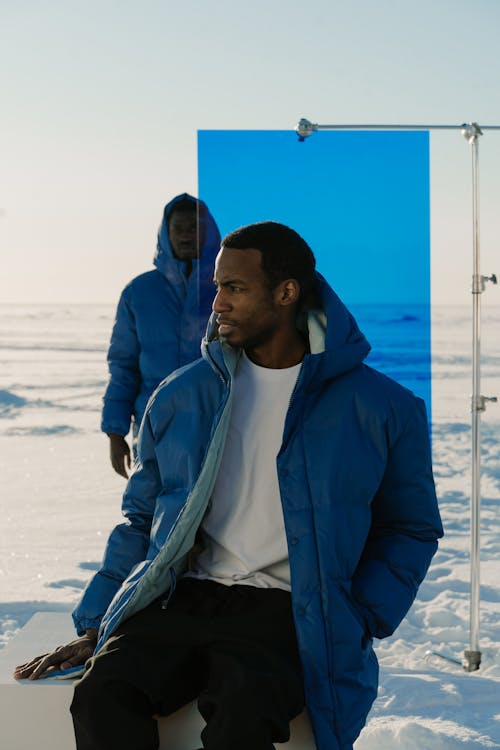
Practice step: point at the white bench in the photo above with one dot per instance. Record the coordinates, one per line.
(35, 715)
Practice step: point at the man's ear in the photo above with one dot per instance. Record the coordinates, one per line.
(288, 292)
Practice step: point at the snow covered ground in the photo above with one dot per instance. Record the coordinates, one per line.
(59, 498)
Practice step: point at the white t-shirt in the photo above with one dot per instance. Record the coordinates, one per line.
(243, 530)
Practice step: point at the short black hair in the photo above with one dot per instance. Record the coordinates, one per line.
(285, 254)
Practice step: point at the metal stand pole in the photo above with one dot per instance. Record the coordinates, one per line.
(472, 656)
(304, 129)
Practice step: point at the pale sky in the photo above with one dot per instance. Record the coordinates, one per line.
(101, 104)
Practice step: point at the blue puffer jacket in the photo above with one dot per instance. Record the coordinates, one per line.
(358, 497)
(160, 321)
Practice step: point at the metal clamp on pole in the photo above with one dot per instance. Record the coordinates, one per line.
(478, 403)
(304, 128)
(479, 282)
(472, 661)
(471, 131)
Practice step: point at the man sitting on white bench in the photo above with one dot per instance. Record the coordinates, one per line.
(302, 478)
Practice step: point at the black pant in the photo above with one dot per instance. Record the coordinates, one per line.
(232, 647)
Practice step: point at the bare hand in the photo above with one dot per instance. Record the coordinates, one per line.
(119, 452)
(63, 657)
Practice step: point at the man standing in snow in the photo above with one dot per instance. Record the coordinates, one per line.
(161, 318)
(305, 477)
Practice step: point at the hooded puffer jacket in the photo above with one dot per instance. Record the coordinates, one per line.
(160, 321)
(359, 505)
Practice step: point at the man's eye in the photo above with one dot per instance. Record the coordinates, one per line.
(235, 288)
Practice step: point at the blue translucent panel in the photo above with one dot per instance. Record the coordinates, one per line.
(361, 200)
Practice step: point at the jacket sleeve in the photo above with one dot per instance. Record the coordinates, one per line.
(128, 543)
(405, 528)
(124, 372)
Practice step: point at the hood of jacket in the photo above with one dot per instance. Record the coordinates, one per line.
(164, 258)
(336, 343)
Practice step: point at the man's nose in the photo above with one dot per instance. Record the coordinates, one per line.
(220, 303)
